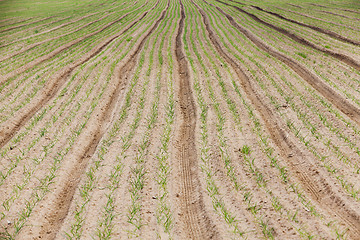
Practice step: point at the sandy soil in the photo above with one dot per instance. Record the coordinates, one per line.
(180, 119)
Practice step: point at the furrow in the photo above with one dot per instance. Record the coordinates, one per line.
(197, 224)
(318, 29)
(335, 98)
(89, 140)
(13, 125)
(316, 186)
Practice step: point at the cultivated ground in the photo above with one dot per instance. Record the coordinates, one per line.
(179, 119)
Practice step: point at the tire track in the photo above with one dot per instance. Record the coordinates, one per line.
(336, 99)
(197, 224)
(89, 140)
(318, 29)
(315, 184)
(59, 49)
(26, 24)
(12, 126)
(345, 59)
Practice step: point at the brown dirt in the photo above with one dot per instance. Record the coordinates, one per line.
(197, 224)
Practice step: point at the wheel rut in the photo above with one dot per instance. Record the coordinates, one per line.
(336, 99)
(89, 140)
(196, 223)
(12, 126)
(345, 59)
(318, 29)
(314, 184)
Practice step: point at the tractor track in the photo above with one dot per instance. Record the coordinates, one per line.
(318, 29)
(63, 196)
(197, 223)
(315, 185)
(50, 90)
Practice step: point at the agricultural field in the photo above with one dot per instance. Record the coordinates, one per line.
(179, 119)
